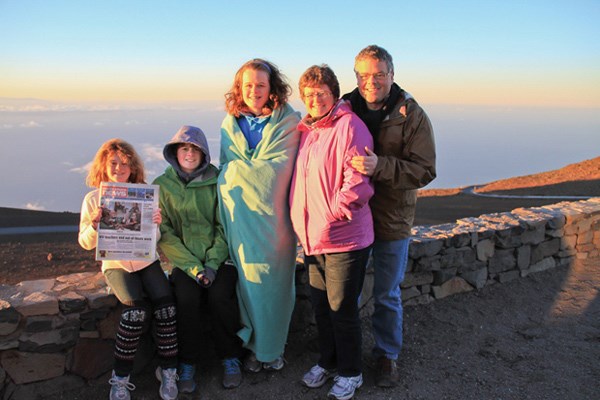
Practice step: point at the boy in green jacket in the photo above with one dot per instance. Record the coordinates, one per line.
(193, 241)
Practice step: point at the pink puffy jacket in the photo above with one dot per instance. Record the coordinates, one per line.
(329, 199)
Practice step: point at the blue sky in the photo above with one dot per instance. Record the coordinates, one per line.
(512, 87)
(455, 52)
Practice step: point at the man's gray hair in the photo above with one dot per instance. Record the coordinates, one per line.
(377, 53)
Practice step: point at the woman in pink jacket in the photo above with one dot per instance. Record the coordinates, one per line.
(331, 216)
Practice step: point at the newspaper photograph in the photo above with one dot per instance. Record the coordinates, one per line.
(126, 230)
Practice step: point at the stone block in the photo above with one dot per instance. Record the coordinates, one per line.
(534, 236)
(545, 249)
(71, 302)
(50, 341)
(428, 264)
(555, 233)
(508, 276)
(456, 257)
(503, 260)
(43, 323)
(585, 237)
(546, 263)
(556, 222)
(38, 304)
(443, 275)
(506, 240)
(40, 285)
(485, 250)
(424, 247)
(9, 318)
(476, 278)
(523, 257)
(458, 240)
(568, 242)
(453, 286)
(473, 266)
(92, 358)
(566, 253)
(108, 325)
(410, 293)
(410, 265)
(11, 342)
(23, 367)
(100, 299)
(416, 279)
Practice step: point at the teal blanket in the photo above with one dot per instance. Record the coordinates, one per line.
(253, 195)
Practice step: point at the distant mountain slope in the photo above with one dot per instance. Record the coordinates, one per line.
(579, 179)
(584, 171)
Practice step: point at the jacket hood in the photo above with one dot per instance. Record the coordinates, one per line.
(340, 108)
(194, 136)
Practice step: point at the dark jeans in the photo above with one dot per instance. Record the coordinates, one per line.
(336, 281)
(131, 288)
(221, 299)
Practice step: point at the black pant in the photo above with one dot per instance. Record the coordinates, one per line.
(336, 281)
(224, 312)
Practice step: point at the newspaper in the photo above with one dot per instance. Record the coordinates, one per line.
(126, 230)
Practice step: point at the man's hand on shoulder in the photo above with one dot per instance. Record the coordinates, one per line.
(365, 164)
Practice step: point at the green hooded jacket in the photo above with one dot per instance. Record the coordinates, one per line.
(192, 237)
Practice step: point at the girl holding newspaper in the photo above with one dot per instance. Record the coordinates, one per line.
(135, 283)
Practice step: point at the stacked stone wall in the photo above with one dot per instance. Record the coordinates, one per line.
(57, 333)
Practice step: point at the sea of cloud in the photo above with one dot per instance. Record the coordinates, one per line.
(47, 147)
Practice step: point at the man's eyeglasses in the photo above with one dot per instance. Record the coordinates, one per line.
(316, 95)
(379, 76)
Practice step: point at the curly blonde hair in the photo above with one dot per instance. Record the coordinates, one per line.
(279, 92)
(123, 149)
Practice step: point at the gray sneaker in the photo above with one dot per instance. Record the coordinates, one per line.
(120, 387)
(345, 386)
(317, 376)
(275, 365)
(252, 364)
(186, 378)
(232, 374)
(168, 383)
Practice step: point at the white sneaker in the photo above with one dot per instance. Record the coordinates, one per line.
(317, 376)
(168, 383)
(120, 387)
(345, 386)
